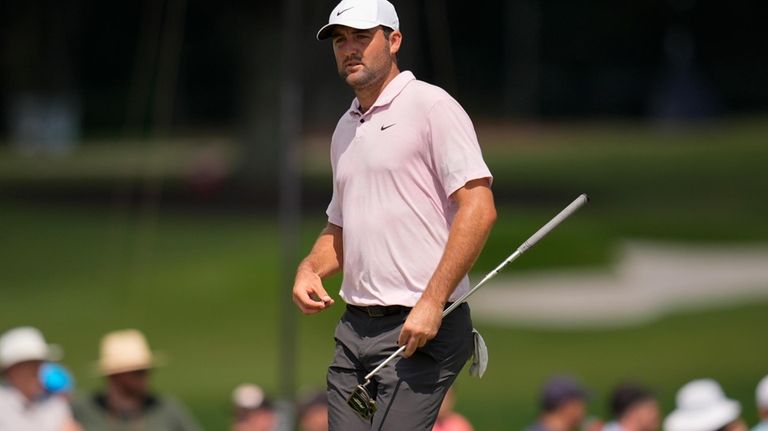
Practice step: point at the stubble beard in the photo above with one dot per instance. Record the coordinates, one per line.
(368, 76)
(361, 79)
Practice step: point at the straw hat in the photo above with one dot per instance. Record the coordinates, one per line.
(702, 406)
(26, 344)
(124, 351)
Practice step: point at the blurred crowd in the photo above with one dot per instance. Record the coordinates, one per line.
(37, 394)
(700, 405)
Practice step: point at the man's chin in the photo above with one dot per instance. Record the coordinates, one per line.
(357, 79)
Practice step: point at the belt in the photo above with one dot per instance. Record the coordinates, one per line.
(383, 310)
(380, 310)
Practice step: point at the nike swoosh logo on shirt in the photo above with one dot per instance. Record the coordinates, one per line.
(342, 11)
(383, 128)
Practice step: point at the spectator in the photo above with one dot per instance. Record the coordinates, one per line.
(253, 411)
(449, 420)
(702, 406)
(127, 403)
(633, 408)
(24, 403)
(313, 412)
(761, 395)
(563, 405)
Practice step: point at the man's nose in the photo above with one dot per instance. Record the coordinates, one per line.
(348, 48)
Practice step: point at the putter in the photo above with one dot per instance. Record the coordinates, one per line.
(362, 402)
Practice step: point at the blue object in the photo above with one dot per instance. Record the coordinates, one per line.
(55, 378)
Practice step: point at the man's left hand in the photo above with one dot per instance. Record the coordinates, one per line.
(422, 325)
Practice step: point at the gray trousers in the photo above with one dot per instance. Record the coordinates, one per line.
(408, 391)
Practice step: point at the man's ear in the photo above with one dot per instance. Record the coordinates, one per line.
(395, 38)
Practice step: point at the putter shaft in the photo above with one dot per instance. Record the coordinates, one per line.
(530, 242)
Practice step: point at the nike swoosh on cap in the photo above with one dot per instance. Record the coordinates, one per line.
(342, 11)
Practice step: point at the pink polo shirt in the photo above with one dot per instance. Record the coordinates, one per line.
(394, 170)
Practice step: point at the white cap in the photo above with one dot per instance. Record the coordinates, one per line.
(362, 15)
(702, 406)
(761, 394)
(25, 344)
(248, 396)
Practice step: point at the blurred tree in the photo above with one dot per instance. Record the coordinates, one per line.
(439, 32)
(528, 58)
(42, 106)
(521, 59)
(260, 97)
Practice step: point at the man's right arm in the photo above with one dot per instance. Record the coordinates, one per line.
(324, 260)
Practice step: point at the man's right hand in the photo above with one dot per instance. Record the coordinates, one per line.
(308, 292)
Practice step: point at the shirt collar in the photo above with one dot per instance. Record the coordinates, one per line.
(393, 88)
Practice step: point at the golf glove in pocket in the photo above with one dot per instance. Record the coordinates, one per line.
(480, 356)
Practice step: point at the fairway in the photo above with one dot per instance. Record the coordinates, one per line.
(205, 285)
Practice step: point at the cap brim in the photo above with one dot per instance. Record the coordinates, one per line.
(712, 418)
(54, 353)
(158, 360)
(327, 30)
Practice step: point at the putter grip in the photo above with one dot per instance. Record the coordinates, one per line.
(565, 213)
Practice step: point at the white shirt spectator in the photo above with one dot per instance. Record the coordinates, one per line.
(50, 413)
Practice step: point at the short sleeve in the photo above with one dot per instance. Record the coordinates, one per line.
(334, 208)
(334, 212)
(455, 150)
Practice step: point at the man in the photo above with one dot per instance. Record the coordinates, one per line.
(563, 405)
(253, 411)
(410, 212)
(702, 406)
(634, 408)
(127, 403)
(761, 396)
(24, 403)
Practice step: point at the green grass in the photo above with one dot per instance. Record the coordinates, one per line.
(205, 289)
(698, 176)
(205, 286)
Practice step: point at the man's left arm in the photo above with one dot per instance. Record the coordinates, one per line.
(471, 225)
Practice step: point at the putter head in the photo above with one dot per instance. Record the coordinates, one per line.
(362, 403)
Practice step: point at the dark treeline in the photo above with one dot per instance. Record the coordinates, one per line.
(115, 61)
